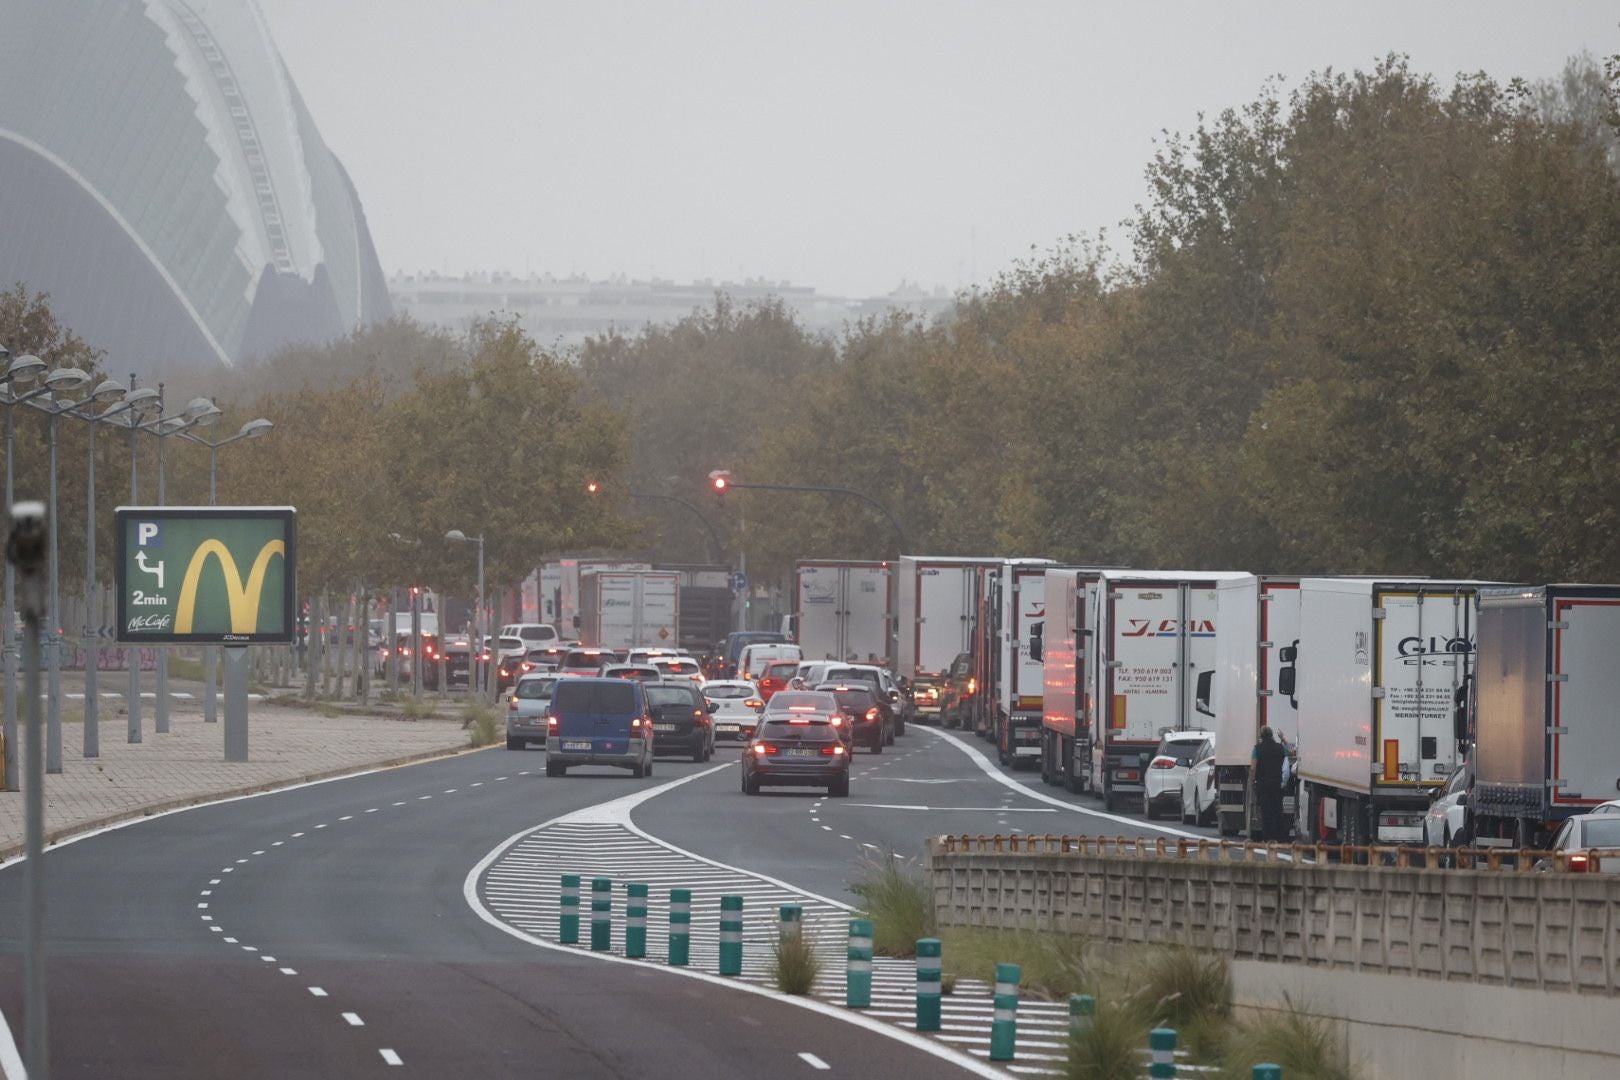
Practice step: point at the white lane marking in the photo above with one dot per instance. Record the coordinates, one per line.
(268, 959)
(322, 825)
(213, 881)
(354, 1019)
(288, 971)
(827, 828)
(419, 798)
(259, 852)
(813, 1061)
(317, 991)
(206, 892)
(250, 948)
(478, 783)
(449, 791)
(373, 810)
(240, 861)
(399, 804)
(390, 1057)
(228, 870)
(230, 941)
(11, 1062)
(277, 843)
(1006, 781)
(296, 835)
(500, 778)
(203, 905)
(346, 817)
(620, 815)
(841, 836)
(206, 918)
(217, 929)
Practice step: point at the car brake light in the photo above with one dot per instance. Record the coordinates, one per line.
(551, 720)
(973, 685)
(801, 708)
(796, 720)
(511, 703)
(1578, 863)
(833, 751)
(871, 714)
(838, 721)
(754, 703)
(764, 748)
(1163, 763)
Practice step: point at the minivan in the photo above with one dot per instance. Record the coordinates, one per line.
(754, 656)
(598, 721)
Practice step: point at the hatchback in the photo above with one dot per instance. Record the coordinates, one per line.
(599, 722)
(797, 750)
(870, 724)
(737, 709)
(1168, 768)
(681, 719)
(526, 711)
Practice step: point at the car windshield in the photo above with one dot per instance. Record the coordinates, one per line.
(852, 675)
(531, 689)
(859, 700)
(668, 695)
(1182, 749)
(726, 693)
(809, 730)
(677, 667)
(1601, 832)
(575, 696)
(630, 672)
(782, 670)
(584, 658)
(803, 700)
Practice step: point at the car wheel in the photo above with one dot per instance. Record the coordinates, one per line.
(556, 768)
(877, 744)
(514, 744)
(750, 785)
(648, 770)
(1193, 820)
(699, 756)
(839, 789)
(638, 770)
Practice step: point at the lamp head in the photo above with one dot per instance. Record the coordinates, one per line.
(66, 378)
(144, 399)
(456, 535)
(108, 390)
(254, 428)
(206, 417)
(24, 369)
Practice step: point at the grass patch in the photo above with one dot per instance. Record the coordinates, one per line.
(1052, 963)
(796, 964)
(898, 901)
(1111, 1049)
(1186, 986)
(417, 708)
(181, 667)
(947, 983)
(1307, 1047)
(483, 722)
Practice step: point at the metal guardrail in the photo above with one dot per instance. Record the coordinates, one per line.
(1372, 855)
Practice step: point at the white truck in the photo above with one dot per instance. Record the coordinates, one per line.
(1069, 595)
(1545, 724)
(1154, 635)
(843, 611)
(559, 590)
(627, 609)
(1377, 675)
(1017, 606)
(934, 598)
(1256, 626)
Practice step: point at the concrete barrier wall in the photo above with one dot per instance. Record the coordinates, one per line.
(1552, 931)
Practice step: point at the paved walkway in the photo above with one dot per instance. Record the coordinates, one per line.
(186, 765)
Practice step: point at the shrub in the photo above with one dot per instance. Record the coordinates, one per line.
(796, 964)
(1184, 986)
(1112, 1049)
(484, 723)
(1305, 1046)
(417, 708)
(898, 902)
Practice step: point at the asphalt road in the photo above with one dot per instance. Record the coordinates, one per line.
(323, 931)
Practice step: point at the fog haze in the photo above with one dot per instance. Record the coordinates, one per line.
(848, 146)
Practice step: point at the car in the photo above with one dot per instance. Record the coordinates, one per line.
(871, 724)
(648, 655)
(526, 711)
(644, 672)
(737, 708)
(1589, 842)
(457, 653)
(509, 657)
(754, 656)
(775, 677)
(596, 721)
(1168, 768)
(1198, 794)
(879, 678)
(1446, 823)
(798, 749)
(676, 667)
(732, 648)
(583, 661)
(790, 702)
(533, 635)
(958, 692)
(546, 658)
(681, 719)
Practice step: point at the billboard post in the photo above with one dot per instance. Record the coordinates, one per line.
(196, 575)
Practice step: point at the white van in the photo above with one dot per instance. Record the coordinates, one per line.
(751, 662)
(534, 634)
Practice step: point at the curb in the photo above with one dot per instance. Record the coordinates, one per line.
(63, 832)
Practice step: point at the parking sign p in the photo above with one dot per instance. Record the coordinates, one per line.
(146, 534)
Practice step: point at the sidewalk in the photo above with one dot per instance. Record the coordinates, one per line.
(187, 766)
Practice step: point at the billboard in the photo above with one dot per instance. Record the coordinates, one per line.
(213, 575)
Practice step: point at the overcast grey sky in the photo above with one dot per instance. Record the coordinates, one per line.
(844, 145)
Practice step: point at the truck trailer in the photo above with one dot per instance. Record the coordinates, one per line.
(843, 611)
(629, 609)
(1545, 724)
(559, 590)
(1376, 676)
(1154, 636)
(934, 600)
(1256, 626)
(1016, 606)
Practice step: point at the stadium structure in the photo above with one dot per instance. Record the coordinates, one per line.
(163, 181)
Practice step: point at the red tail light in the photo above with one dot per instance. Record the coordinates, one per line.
(1578, 863)
(754, 703)
(1163, 763)
(764, 748)
(833, 751)
(972, 687)
(511, 704)
(838, 721)
(871, 714)
(551, 720)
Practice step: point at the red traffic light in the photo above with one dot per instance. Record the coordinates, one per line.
(720, 481)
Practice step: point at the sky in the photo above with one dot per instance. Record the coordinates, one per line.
(848, 146)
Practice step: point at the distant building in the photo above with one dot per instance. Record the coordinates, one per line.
(562, 312)
(162, 180)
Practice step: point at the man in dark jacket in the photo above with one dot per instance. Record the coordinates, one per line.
(1268, 758)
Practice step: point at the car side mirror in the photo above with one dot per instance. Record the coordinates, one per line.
(894, 697)
(1037, 643)
(711, 707)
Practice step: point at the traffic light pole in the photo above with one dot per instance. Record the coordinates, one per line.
(905, 545)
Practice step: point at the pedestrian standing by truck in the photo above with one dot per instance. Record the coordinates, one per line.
(1268, 759)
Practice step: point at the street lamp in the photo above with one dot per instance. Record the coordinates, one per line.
(118, 400)
(456, 536)
(250, 430)
(57, 380)
(19, 372)
(592, 487)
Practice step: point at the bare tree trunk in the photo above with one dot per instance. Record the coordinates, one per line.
(311, 638)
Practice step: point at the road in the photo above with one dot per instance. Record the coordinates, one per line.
(331, 930)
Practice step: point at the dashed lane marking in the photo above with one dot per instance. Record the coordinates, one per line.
(354, 1019)
(390, 1057)
(813, 1061)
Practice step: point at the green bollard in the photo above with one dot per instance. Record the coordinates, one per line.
(680, 927)
(928, 983)
(1004, 1028)
(568, 922)
(601, 914)
(731, 935)
(1267, 1072)
(1162, 1044)
(635, 922)
(858, 978)
(789, 917)
(1082, 1013)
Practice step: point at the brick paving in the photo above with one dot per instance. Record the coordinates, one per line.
(286, 745)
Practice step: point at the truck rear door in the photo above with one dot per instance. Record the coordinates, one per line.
(1585, 689)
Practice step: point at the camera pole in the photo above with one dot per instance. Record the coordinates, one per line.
(26, 549)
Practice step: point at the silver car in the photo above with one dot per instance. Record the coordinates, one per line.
(526, 711)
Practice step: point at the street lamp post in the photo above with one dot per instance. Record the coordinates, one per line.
(57, 380)
(18, 372)
(456, 536)
(250, 430)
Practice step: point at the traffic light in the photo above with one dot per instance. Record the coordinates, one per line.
(720, 483)
(592, 487)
